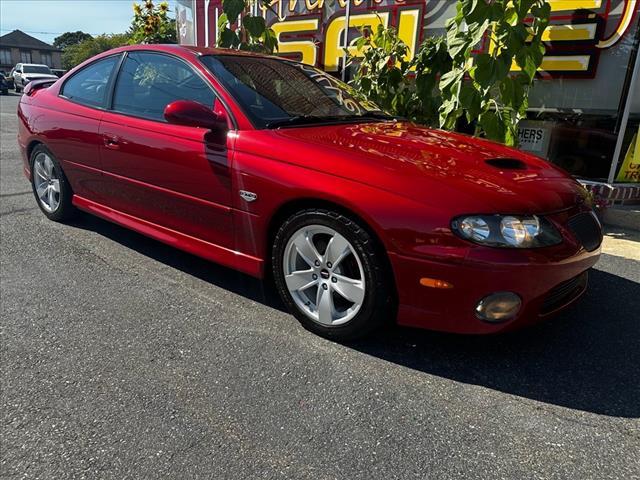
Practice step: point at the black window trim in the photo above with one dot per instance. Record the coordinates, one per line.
(109, 82)
(197, 72)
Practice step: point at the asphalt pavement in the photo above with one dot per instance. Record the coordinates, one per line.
(124, 358)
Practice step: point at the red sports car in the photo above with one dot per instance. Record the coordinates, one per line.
(275, 168)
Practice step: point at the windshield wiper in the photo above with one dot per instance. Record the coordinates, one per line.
(312, 119)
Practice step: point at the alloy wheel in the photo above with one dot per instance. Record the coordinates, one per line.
(324, 275)
(46, 182)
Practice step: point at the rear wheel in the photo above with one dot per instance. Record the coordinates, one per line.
(50, 185)
(330, 274)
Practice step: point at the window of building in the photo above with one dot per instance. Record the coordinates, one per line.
(89, 85)
(5, 56)
(45, 58)
(25, 56)
(148, 82)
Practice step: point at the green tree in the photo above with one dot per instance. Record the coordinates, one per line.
(445, 81)
(70, 38)
(76, 54)
(151, 23)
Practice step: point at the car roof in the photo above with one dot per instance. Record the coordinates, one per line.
(182, 49)
(34, 65)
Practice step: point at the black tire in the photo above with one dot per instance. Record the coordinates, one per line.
(65, 210)
(17, 88)
(377, 306)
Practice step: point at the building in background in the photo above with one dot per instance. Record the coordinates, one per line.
(577, 116)
(18, 47)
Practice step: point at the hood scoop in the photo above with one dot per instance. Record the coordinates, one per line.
(507, 163)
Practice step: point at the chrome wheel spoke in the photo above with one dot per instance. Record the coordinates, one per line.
(307, 250)
(40, 171)
(301, 280)
(348, 288)
(337, 249)
(48, 166)
(42, 190)
(324, 303)
(55, 185)
(52, 198)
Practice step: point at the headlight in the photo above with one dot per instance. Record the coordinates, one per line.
(511, 231)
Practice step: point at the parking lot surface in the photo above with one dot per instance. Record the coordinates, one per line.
(124, 358)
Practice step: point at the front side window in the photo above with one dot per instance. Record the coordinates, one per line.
(275, 92)
(89, 85)
(36, 69)
(148, 82)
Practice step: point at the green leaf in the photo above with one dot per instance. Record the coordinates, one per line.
(492, 125)
(484, 70)
(527, 62)
(451, 78)
(254, 25)
(511, 16)
(508, 92)
(470, 101)
(222, 21)
(229, 39)
(270, 40)
(477, 31)
(233, 8)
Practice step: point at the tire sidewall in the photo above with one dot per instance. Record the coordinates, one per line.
(373, 305)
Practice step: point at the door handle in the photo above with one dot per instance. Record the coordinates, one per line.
(111, 141)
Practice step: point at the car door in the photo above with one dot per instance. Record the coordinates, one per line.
(73, 131)
(174, 176)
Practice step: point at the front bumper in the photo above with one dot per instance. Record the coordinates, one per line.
(545, 281)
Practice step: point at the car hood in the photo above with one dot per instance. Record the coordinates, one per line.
(431, 165)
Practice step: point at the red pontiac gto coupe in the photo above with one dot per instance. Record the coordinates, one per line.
(273, 167)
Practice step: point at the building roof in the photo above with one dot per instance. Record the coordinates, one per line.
(20, 39)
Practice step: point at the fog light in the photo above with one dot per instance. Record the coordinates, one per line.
(498, 307)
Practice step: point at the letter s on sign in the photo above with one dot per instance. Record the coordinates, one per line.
(306, 48)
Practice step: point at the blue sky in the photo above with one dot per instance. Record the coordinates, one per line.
(46, 19)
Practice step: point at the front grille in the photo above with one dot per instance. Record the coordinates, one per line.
(586, 230)
(564, 293)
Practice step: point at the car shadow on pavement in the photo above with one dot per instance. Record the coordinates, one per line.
(587, 358)
(213, 273)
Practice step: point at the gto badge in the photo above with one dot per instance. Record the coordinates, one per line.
(248, 196)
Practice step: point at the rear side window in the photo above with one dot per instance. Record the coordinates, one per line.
(148, 82)
(89, 85)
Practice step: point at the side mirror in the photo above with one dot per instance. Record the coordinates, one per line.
(193, 114)
(18, 71)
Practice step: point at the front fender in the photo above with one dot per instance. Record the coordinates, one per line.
(403, 226)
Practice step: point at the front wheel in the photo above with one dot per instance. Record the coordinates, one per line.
(330, 274)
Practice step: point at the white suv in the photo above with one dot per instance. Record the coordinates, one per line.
(23, 73)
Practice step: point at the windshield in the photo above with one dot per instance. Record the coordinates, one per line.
(36, 69)
(275, 92)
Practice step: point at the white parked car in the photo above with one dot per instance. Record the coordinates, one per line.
(23, 73)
